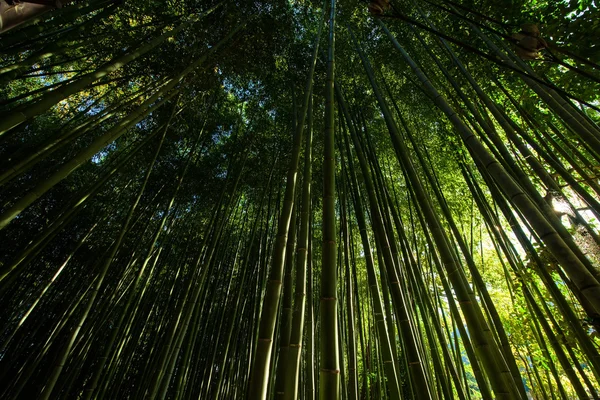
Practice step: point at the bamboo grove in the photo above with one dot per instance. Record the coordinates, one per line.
(299, 200)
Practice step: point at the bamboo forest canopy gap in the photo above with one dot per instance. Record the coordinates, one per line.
(394, 199)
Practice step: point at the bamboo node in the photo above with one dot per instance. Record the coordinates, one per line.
(330, 371)
(328, 298)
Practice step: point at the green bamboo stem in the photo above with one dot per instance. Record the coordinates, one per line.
(259, 377)
(11, 119)
(581, 276)
(111, 135)
(566, 310)
(309, 387)
(295, 352)
(59, 141)
(57, 48)
(574, 122)
(62, 359)
(491, 356)
(83, 156)
(418, 376)
(467, 254)
(329, 371)
(170, 354)
(417, 282)
(139, 279)
(379, 315)
(286, 307)
(246, 267)
(350, 337)
(69, 212)
(565, 363)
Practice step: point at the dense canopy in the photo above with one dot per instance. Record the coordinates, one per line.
(294, 199)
